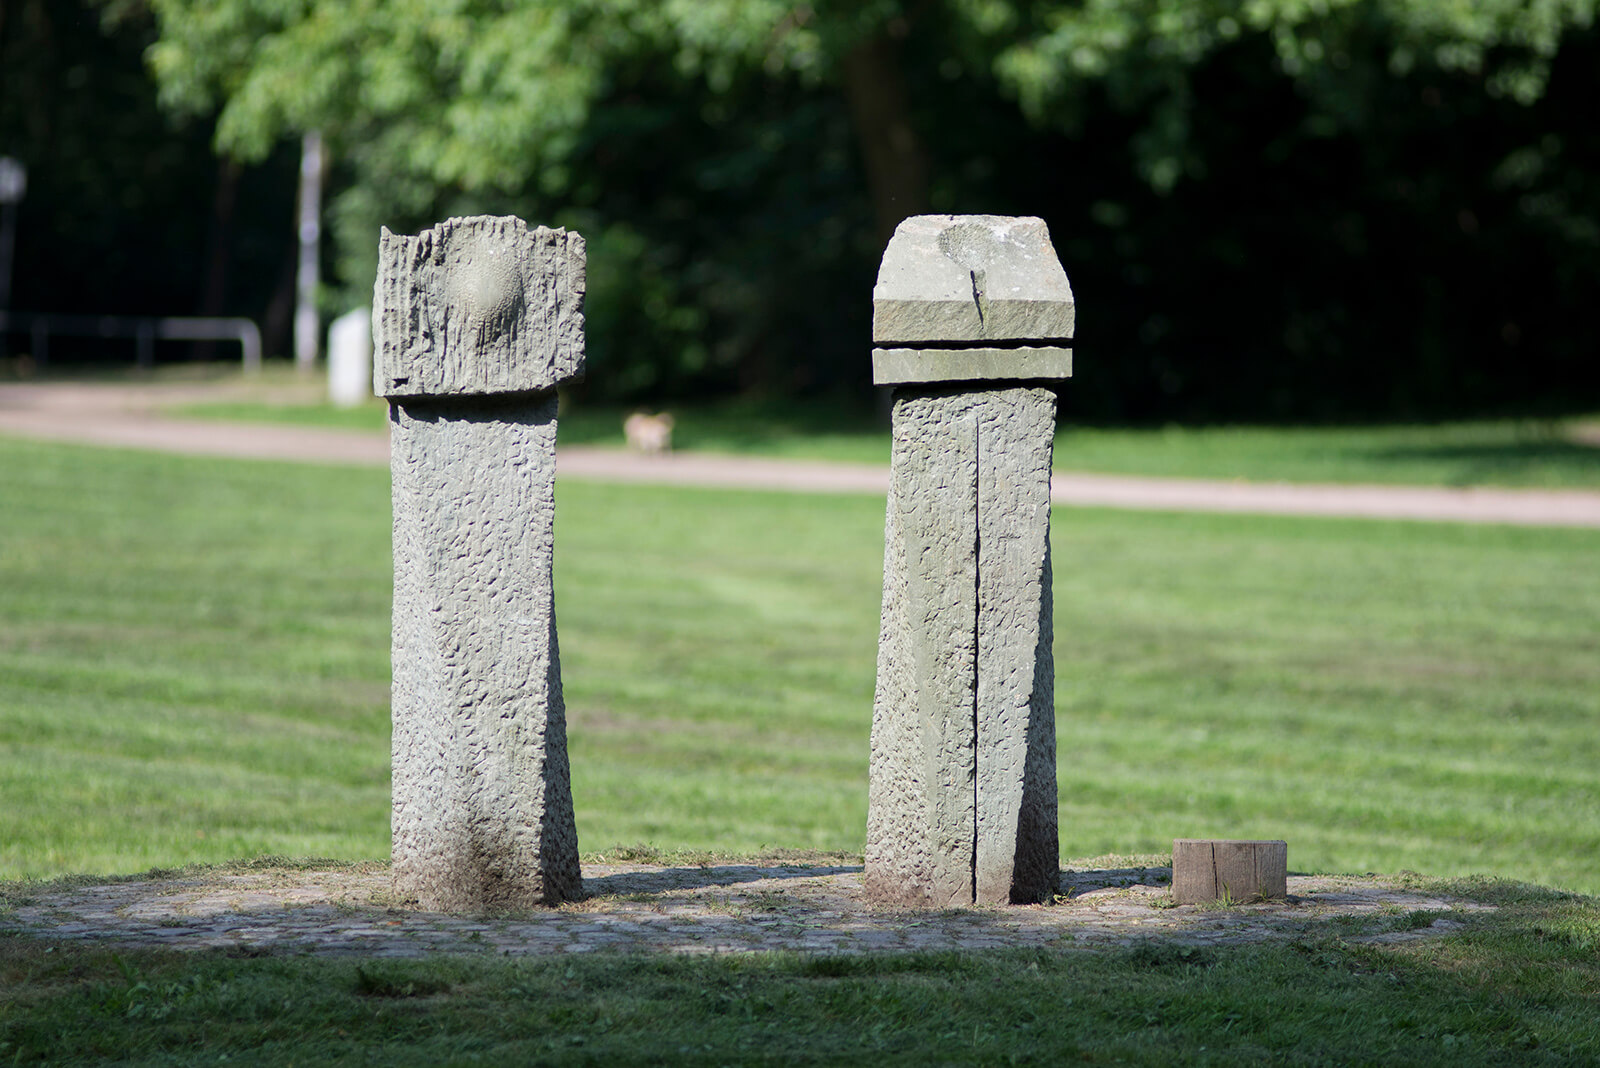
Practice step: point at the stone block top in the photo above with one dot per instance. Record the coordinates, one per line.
(971, 278)
(1016, 363)
(477, 306)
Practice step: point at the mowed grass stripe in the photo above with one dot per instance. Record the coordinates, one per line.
(203, 645)
(100, 814)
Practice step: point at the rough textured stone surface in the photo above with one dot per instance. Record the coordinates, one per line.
(482, 803)
(893, 367)
(951, 278)
(478, 306)
(1205, 869)
(922, 802)
(962, 803)
(1018, 850)
(482, 814)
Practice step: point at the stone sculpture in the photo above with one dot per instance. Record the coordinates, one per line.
(476, 322)
(973, 315)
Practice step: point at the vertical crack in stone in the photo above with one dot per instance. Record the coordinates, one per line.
(923, 739)
(977, 636)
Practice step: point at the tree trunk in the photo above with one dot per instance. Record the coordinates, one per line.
(891, 152)
(219, 242)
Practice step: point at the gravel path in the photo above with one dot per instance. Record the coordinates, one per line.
(130, 417)
(726, 909)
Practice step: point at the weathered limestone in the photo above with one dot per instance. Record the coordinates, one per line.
(476, 322)
(899, 366)
(971, 278)
(962, 803)
(1210, 869)
(478, 306)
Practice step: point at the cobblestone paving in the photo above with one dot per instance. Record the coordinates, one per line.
(727, 909)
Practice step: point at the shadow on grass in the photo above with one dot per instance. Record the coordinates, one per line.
(1503, 992)
(667, 879)
(813, 925)
(1073, 883)
(1491, 462)
(361, 918)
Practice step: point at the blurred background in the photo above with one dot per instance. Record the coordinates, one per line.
(1281, 210)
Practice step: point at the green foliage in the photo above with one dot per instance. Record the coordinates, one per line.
(1277, 209)
(475, 93)
(489, 92)
(1146, 51)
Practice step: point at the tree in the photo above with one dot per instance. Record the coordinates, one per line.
(736, 162)
(127, 210)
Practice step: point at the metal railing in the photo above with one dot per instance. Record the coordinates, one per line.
(145, 330)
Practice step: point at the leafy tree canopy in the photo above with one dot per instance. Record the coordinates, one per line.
(1378, 167)
(487, 92)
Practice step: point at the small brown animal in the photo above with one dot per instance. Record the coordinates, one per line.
(648, 433)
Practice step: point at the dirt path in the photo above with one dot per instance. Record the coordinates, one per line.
(735, 908)
(132, 417)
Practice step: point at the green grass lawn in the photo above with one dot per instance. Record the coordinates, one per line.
(194, 668)
(1515, 988)
(1534, 453)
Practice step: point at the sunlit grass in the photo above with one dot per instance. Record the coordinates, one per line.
(1533, 453)
(194, 667)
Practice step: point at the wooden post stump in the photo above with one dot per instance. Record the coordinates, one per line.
(1220, 869)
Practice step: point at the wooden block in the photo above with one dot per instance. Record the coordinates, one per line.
(1220, 869)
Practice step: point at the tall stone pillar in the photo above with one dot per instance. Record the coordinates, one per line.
(973, 315)
(476, 322)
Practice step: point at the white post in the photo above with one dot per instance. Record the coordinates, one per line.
(350, 358)
(13, 184)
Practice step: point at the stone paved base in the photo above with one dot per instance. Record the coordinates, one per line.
(647, 908)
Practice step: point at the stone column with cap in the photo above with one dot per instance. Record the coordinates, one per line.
(973, 318)
(475, 323)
